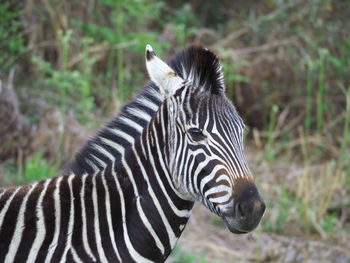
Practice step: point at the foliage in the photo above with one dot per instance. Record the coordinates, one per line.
(180, 256)
(125, 33)
(74, 85)
(287, 70)
(11, 39)
(35, 169)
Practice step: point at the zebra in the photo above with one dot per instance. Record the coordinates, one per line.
(129, 192)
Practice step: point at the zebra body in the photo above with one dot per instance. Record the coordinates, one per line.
(129, 193)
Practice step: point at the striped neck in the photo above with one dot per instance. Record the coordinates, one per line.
(148, 192)
(149, 215)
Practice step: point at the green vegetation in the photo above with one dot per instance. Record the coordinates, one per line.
(72, 85)
(270, 145)
(11, 40)
(180, 256)
(287, 70)
(35, 169)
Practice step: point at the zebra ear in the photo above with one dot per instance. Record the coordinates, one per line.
(161, 74)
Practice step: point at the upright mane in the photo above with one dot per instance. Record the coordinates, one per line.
(195, 64)
(201, 67)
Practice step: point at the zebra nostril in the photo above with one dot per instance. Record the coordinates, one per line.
(250, 209)
(240, 212)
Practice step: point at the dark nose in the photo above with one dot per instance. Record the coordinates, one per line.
(247, 208)
(249, 211)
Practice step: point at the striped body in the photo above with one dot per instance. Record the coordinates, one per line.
(85, 211)
(130, 190)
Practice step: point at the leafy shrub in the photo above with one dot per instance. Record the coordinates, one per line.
(11, 39)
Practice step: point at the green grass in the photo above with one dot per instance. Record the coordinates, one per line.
(270, 152)
(346, 136)
(122, 41)
(308, 116)
(36, 168)
(231, 76)
(179, 256)
(71, 85)
(217, 221)
(282, 206)
(321, 88)
(12, 44)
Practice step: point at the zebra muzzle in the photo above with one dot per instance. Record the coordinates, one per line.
(246, 211)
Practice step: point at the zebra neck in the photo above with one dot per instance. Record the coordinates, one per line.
(109, 145)
(149, 192)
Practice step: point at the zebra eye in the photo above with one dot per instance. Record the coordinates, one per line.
(196, 134)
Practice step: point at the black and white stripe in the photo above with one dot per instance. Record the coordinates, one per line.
(129, 192)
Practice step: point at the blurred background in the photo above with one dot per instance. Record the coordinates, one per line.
(66, 67)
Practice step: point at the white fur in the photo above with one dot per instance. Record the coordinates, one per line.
(162, 75)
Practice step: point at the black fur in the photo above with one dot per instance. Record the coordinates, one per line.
(150, 54)
(206, 66)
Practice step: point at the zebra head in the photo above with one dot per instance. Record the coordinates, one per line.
(203, 137)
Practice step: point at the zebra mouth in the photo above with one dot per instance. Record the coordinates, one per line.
(235, 231)
(244, 214)
(244, 217)
(233, 226)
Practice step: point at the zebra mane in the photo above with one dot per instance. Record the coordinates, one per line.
(201, 67)
(195, 64)
(122, 130)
